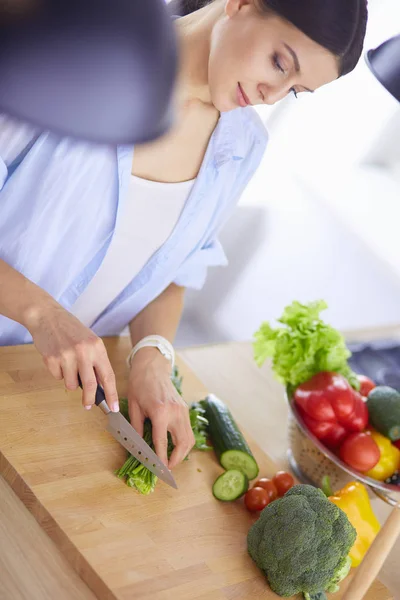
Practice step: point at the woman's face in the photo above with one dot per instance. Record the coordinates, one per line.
(260, 59)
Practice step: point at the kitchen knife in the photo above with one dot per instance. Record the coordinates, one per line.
(129, 438)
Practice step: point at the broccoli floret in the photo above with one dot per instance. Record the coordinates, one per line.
(302, 542)
(341, 572)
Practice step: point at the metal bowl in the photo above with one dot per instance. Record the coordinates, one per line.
(310, 460)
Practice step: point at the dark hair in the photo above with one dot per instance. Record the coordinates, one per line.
(337, 25)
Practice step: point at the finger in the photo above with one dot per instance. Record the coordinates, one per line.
(106, 378)
(136, 417)
(179, 453)
(160, 436)
(89, 384)
(54, 366)
(69, 368)
(183, 440)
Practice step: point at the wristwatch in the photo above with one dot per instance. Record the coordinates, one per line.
(154, 341)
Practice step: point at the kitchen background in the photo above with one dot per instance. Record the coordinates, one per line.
(321, 217)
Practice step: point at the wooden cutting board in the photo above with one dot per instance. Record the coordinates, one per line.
(171, 545)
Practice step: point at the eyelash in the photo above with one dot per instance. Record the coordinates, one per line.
(279, 68)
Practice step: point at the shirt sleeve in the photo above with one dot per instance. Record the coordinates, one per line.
(14, 138)
(3, 173)
(193, 271)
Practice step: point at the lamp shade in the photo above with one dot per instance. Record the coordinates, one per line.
(100, 70)
(384, 62)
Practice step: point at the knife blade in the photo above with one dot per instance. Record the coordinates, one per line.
(129, 438)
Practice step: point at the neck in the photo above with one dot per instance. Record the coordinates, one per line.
(194, 36)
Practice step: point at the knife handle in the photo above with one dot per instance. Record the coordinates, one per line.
(100, 398)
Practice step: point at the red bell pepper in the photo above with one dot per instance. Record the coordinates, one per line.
(332, 434)
(358, 420)
(330, 408)
(397, 444)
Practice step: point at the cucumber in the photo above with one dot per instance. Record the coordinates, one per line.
(228, 442)
(230, 485)
(383, 405)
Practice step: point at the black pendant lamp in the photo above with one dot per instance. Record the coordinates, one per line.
(101, 70)
(384, 62)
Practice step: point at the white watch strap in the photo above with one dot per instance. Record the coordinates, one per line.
(154, 341)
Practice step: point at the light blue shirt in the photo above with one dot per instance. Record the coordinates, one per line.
(60, 200)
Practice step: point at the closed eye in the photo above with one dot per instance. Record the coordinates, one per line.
(277, 64)
(279, 68)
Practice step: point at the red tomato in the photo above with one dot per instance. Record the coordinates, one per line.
(283, 482)
(256, 499)
(360, 452)
(366, 384)
(269, 486)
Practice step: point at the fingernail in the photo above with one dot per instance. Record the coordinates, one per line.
(115, 407)
(88, 406)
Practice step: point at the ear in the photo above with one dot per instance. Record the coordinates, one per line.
(232, 7)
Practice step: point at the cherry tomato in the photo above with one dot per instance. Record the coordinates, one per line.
(269, 486)
(283, 482)
(360, 451)
(256, 499)
(366, 384)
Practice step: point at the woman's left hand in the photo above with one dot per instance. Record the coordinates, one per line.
(152, 394)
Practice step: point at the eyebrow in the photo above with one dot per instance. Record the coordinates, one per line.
(296, 63)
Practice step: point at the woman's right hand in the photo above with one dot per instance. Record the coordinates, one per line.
(69, 348)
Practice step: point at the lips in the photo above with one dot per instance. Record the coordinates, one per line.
(242, 97)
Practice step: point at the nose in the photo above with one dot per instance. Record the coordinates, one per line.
(271, 94)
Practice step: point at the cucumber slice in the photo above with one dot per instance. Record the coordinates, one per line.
(237, 459)
(230, 485)
(227, 440)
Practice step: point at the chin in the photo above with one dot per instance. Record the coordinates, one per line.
(223, 103)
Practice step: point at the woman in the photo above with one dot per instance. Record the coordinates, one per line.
(93, 238)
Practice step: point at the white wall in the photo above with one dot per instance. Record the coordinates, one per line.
(315, 222)
(288, 248)
(306, 227)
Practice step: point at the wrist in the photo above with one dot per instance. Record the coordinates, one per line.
(150, 355)
(35, 312)
(152, 346)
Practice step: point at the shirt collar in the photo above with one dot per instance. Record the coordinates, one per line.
(229, 139)
(229, 144)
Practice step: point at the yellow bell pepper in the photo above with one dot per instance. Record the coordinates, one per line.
(354, 501)
(389, 460)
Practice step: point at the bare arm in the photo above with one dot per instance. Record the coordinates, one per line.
(151, 393)
(67, 346)
(160, 317)
(20, 299)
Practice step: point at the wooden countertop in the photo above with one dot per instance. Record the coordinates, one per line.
(31, 567)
